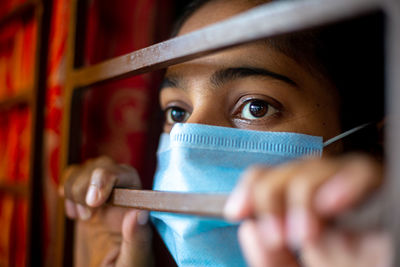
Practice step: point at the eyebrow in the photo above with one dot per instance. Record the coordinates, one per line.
(172, 82)
(221, 77)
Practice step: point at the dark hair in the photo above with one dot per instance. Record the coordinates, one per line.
(350, 54)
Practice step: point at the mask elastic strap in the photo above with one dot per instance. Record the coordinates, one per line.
(346, 133)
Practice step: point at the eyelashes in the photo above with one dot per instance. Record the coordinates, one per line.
(254, 109)
(248, 109)
(176, 114)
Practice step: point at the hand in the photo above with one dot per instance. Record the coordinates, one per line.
(292, 204)
(105, 235)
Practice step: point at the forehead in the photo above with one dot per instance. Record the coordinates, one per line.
(256, 54)
(213, 12)
(264, 53)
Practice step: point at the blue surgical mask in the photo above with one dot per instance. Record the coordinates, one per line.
(196, 158)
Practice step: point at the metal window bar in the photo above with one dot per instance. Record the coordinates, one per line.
(283, 17)
(37, 103)
(19, 11)
(34, 99)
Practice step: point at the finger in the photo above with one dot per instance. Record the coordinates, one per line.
(68, 177)
(352, 183)
(102, 161)
(75, 186)
(271, 231)
(136, 240)
(101, 184)
(269, 192)
(128, 177)
(111, 216)
(336, 248)
(76, 178)
(239, 204)
(258, 251)
(260, 191)
(302, 223)
(70, 209)
(84, 213)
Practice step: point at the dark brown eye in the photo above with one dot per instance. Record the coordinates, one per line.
(258, 108)
(176, 114)
(255, 109)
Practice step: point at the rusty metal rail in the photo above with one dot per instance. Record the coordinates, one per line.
(210, 205)
(280, 18)
(243, 28)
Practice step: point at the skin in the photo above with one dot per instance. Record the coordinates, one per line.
(289, 204)
(309, 105)
(105, 235)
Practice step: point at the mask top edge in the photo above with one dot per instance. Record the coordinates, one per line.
(233, 139)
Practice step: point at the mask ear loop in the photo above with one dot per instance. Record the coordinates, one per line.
(346, 133)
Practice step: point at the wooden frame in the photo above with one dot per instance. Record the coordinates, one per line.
(34, 98)
(298, 15)
(19, 11)
(35, 212)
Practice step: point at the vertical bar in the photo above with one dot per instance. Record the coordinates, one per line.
(392, 185)
(62, 243)
(285, 17)
(71, 124)
(35, 210)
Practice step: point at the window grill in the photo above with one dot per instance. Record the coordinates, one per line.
(33, 99)
(282, 17)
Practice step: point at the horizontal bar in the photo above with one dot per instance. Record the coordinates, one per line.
(196, 204)
(20, 99)
(243, 28)
(20, 190)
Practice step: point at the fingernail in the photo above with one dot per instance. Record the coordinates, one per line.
(92, 195)
(270, 229)
(296, 227)
(331, 195)
(231, 207)
(83, 212)
(142, 217)
(235, 200)
(96, 178)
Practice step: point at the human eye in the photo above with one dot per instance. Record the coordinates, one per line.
(252, 109)
(175, 114)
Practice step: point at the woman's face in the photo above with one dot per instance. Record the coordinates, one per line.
(250, 87)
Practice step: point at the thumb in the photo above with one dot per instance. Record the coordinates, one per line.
(136, 240)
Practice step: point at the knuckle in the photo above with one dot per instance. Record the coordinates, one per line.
(78, 190)
(266, 192)
(300, 189)
(127, 168)
(268, 196)
(370, 172)
(253, 173)
(302, 182)
(103, 176)
(69, 173)
(103, 161)
(68, 187)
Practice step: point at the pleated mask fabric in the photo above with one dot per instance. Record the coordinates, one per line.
(197, 158)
